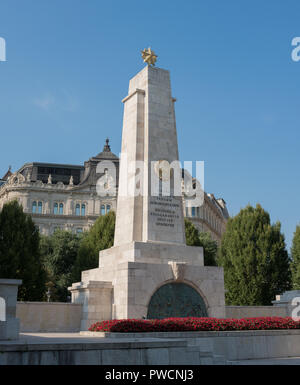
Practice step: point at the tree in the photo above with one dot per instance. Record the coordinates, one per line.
(295, 265)
(191, 233)
(19, 252)
(99, 237)
(210, 248)
(254, 257)
(59, 252)
(196, 238)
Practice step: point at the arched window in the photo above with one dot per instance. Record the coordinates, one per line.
(83, 209)
(61, 208)
(77, 209)
(102, 211)
(40, 207)
(55, 209)
(107, 209)
(34, 207)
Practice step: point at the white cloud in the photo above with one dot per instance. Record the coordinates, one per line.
(45, 102)
(62, 101)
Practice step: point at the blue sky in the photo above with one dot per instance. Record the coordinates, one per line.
(237, 88)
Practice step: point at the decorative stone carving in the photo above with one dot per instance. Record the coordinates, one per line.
(15, 179)
(178, 270)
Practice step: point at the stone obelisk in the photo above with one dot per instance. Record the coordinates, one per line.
(149, 137)
(150, 271)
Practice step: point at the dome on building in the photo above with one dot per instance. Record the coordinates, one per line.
(106, 153)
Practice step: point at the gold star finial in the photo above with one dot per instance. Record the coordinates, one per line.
(149, 56)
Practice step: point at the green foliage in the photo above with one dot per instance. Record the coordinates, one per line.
(210, 248)
(19, 252)
(196, 238)
(295, 265)
(59, 252)
(254, 257)
(100, 237)
(191, 233)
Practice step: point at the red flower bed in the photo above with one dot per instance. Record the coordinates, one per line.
(194, 324)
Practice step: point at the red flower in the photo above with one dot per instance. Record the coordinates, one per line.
(194, 324)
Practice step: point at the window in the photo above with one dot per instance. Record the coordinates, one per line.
(79, 230)
(77, 209)
(34, 207)
(61, 208)
(55, 209)
(40, 207)
(80, 209)
(105, 209)
(193, 211)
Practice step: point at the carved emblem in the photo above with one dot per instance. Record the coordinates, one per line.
(178, 270)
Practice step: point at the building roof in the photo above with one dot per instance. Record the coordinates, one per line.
(7, 175)
(106, 153)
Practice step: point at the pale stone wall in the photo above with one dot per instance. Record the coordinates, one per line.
(255, 311)
(66, 317)
(175, 348)
(49, 316)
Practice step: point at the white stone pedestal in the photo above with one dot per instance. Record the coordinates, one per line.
(96, 298)
(135, 271)
(9, 324)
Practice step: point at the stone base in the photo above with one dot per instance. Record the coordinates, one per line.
(134, 272)
(96, 298)
(9, 330)
(9, 324)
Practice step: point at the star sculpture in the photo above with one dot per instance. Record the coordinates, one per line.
(149, 56)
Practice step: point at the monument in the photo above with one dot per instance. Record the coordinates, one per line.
(150, 271)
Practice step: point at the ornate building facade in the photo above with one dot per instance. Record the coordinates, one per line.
(65, 196)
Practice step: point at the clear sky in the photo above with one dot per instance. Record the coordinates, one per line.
(238, 91)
